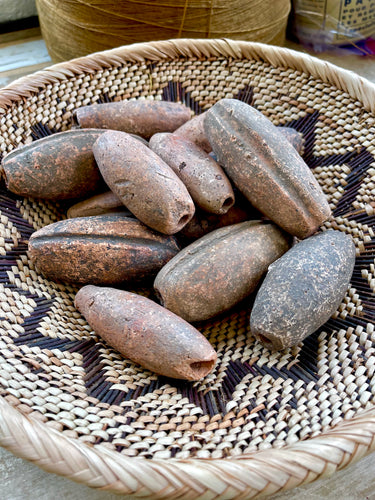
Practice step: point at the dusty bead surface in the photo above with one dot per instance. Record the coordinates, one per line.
(294, 137)
(99, 204)
(141, 117)
(102, 249)
(220, 269)
(266, 168)
(303, 289)
(145, 184)
(59, 166)
(193, 131)
(146, 333)
(205, 180)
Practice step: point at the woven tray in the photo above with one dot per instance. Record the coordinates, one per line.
(261, 422)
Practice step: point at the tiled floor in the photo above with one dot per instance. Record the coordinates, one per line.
(22, 53)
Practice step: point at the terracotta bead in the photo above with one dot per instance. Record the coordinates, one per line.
(59, 166)
(102, 249)
(303, 289)
(141, 117)
(220, 269)
(99, 204)
(294, 137)
(265, 167)
(203, 223)
(146, 332)
(205, 180)
(145, 184)
(193, 131)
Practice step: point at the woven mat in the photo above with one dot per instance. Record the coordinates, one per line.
(58, 374)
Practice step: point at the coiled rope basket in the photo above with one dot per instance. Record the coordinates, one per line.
(262, 422)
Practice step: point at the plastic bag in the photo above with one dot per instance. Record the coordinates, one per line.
(335, 25)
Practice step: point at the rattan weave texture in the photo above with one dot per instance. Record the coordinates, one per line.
(261, 422)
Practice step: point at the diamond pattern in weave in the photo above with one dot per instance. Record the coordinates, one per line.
(54, 368)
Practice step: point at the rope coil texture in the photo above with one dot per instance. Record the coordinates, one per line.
(261, 422)
(73, 28)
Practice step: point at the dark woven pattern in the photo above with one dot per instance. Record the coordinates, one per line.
(53, 368)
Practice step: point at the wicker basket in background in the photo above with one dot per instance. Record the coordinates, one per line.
(74, 28)
(261, 422)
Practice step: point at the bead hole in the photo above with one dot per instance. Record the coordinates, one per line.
(228, 202)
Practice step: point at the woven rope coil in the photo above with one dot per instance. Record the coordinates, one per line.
(261, 422)
(73, 28)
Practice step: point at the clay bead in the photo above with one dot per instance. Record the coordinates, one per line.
(146, 333)
(303, 289)
(56, 167)
(99, 204)
(294, 137)
(266, 168)
(102, 249)
(145, 184)
(217, 271)
(205, 180)
(141, 117)
(203, 223)
(193, 131)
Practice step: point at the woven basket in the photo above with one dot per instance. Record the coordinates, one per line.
(260, 423)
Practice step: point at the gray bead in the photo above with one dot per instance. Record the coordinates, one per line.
(302, 289)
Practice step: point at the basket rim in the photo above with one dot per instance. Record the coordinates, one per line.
(261, 473)
(355, 85)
